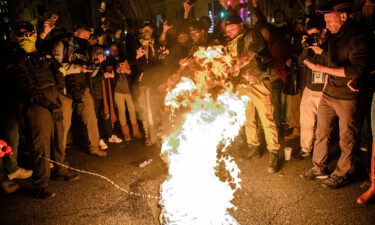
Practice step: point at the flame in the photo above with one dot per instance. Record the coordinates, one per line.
(196, 151)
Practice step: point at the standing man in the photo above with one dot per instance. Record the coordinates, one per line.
(312, 84)
(147, 70)
(248, 45)
(39, 84)
(74, 58)
(350, 55)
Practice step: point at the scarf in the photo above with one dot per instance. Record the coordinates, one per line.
(108, 111)
(148, 44)
(232, 46)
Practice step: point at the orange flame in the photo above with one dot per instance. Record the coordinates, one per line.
(212, 117)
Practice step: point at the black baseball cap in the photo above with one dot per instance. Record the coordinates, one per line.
(23, 25)
(233, 19)
(145, 23)
(336, 6)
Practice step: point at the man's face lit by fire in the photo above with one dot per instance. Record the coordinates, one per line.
(335, 20)
(182, 38)
(196, 35)
(114, 50)
(233, 30)
(308, 3)
(146, 32)
(368, 9)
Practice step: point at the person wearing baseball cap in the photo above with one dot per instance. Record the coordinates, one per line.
(248, 48)
(349, 59)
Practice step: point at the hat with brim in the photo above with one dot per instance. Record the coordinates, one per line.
(145, 23)
(233, 19)
(336, 6)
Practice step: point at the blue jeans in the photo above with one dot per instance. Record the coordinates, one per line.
(277, 87)
(10, 134)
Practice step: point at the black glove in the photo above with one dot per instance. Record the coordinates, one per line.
(57, 115)
(79, 107)
(55, 110)
(45, 102)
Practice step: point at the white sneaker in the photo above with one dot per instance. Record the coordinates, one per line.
(115, 139)
(103, 145)
(20, 174)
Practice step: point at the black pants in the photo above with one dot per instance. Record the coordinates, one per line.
(47, 141)
(104, 124)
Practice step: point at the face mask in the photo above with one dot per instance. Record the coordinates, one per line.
(146, 35)
(101, 39)
(82, 43)
(281, 24)
(27, 43)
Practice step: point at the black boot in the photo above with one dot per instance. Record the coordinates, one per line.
(67, 176)
(43, 193)
(253, 152)
(273, 165)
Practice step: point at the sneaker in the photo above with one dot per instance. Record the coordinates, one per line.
(115, 139)
(43, 193)
(253, 152)
(273, 165)
(10, 187)
(312, 175)
(103, 145)
(335, 181)
(98, 152)
(20, 174)
(301, 155)
(67, 176)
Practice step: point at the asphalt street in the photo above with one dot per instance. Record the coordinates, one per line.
(281, 198)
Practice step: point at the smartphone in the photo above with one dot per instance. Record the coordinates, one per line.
(52, 20)
(109, 69)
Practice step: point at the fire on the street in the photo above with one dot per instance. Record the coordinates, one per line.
(202, 176)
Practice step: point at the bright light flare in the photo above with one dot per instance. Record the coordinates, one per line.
(193, 193)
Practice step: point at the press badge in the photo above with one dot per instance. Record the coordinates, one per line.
(317, 77)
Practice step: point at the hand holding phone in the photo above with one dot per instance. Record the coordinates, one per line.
(52, 20)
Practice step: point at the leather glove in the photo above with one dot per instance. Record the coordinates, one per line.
(79, 107)
(57, 114)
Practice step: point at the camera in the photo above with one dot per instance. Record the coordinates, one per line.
(312, 40)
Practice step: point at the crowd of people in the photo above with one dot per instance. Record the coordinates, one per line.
(311, 75)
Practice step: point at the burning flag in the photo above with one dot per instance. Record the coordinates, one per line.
(202, 176)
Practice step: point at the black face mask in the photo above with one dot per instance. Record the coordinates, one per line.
(82, 43)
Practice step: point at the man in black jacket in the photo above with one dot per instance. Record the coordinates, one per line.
(73, 56)
(39, 84)
(247, 45)
(350, 55)
(146, 61)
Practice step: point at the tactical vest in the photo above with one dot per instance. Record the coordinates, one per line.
(43, 71)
